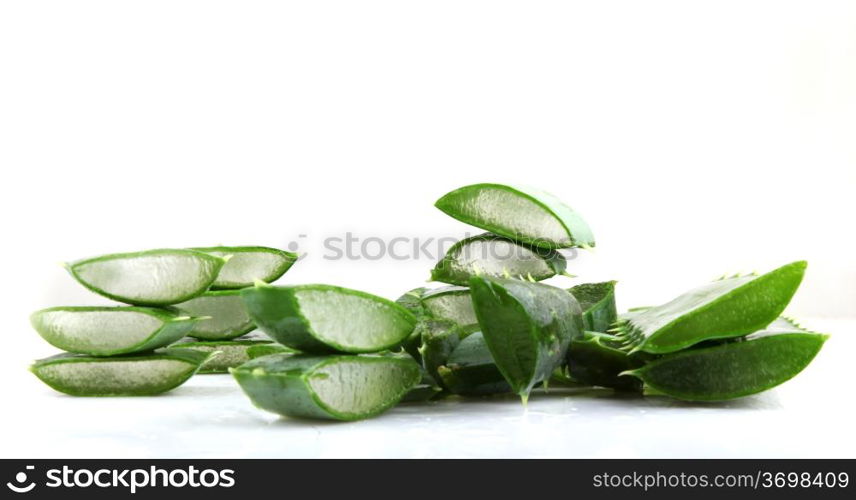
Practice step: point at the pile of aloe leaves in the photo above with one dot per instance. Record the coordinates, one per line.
(492, 328)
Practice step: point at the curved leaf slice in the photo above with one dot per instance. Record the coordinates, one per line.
(340, 387)
(150, 278)
(225, 354)
(108, 331)
(226, 315)
(471, 371)
(496, 256)
(733, 369)
(527, 327)
(522, 214)
(246, 264)
(597, 301)
(451, 303)
(325, 318)
(729, 307)
(137, 375)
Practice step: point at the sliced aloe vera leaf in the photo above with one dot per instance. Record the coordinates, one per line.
(339, 387)
(732, 370)
(491, 255)
(451, 303)
(150, 278)
(136, 375)
(226, 315)
(412, 301)
(522, 214)
(597, 301)
(439, 340)
(527, 327)
(225, 353)
(471, 371)
(108, 331)
(257, 351)
(325, 318)
(425, 390)
(248, 264)
(729, 307)
(593, 361)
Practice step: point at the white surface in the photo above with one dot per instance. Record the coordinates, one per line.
(696, 138)
(810, 416)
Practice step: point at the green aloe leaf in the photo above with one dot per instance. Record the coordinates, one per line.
(471, 371)
(527, 327)
(522, 214)
(733, 369)
(225, 353)
(597, 301)
(594, 361)
(338, 387)
(439, 339)
(257, 351)
(451, 303)
(227, 316)
(729, 307)
(136, 375)
(108, 331)
(491, 255)
(150, 278)
(325, 318)
(412, 301)
(246, 265)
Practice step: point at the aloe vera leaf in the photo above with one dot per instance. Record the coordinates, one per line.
(135, 375)
(439, 340)
(597, 301)
(227, 316)
(248, 264)
(592, 361)
(339, 387)
(425, 390)
(471, 371)
(451, 303)
(496, 256)
(325, 318)
(412, 301)
(527, 327)
(522, 214)
(225, 354)
(108, 331)
(732, 370)
(257, 351)
(150, 278)
(729, 307)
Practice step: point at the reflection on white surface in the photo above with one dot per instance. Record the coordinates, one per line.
(809, 416)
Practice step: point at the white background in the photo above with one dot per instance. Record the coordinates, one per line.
(696, 138)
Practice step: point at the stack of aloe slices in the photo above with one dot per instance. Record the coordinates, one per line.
(343, 370)
(135, 350)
